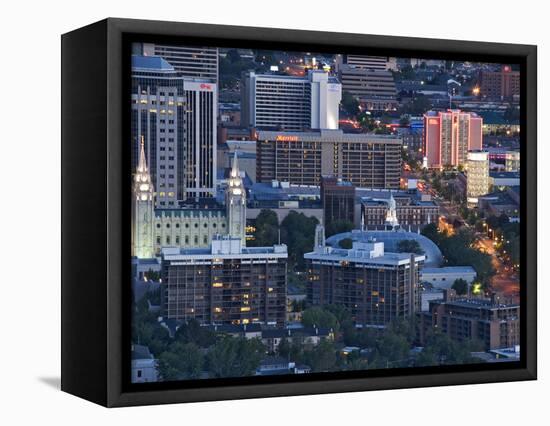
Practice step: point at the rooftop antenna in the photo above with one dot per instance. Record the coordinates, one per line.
(279, 232)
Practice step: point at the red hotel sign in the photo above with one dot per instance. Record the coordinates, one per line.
(206, 86)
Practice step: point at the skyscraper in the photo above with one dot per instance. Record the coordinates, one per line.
(338, 201)
(177, 118)
(290, 103)
(142, 210)
(201, 104)
(449, 135)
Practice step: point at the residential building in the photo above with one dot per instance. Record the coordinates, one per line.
(290, 103)
(501, 84)
(477, 176)
(301, 158)
(144, 365)
(449, 135)
(493, 323)
(375, 286)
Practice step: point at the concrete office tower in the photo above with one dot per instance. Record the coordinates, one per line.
(158, 117)
(449, 135)
(142, 210)
(375, 286)
(301, 158)
(380, 63)
(188, 61)
(477, 177)
(290, 103)
(235, 203)
(201, 103)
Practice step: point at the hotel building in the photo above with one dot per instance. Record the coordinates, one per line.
(449, 135)
(290, 103)
(374, 285)
(301, 158)
(501, 85)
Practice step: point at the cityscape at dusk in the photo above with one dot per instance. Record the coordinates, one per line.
(301, 212)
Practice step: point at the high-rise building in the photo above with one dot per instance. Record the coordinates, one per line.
(369, 161)
(188, 61)
(449, 135)
(375, 88)
(142, 210)
(158, 116)
(501, 84)
(380, 63)
(512, 161)
(290, 103)
(177, 118)
(338, 201)
(375, 286)
(477, 176)
(226, 283)
(201, 105)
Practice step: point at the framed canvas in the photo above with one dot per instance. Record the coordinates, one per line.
(253, 212)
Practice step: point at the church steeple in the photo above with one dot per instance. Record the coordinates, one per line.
(391, 217)
(235, 202)
(142, 209)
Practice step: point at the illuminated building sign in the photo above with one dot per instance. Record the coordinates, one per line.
(206, 86)
(286, 138)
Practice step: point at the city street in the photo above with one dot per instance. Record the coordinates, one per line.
(506, 280)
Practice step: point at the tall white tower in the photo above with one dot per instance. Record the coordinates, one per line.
(142, 210)
(235, 203)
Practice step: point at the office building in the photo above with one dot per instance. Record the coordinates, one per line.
(375, 286)
(201, 138)
(188, 61)
(290, 103)
(500, 85)
(374, 88)
(365, 160)
(338, 201)
(493, 323)
(477, 177)
(362, 61)
(449, 135)
(176, 117)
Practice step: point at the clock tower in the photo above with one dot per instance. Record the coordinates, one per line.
(235, 203)
(142, 210)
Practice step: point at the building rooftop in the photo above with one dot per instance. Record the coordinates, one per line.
(449, 270)
(328, 135)
(141, 352)
(150, 63)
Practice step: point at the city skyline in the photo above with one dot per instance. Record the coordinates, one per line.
(295, 213)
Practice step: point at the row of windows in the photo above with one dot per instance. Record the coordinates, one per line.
(196, 225)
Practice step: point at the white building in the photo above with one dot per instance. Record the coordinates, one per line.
(444, 278)
(144, 365)
(142, 210)
(290, 103)
(477, 182)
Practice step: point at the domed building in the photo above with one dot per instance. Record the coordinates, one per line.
(391, 237)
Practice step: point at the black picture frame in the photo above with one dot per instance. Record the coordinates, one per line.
(95, 213)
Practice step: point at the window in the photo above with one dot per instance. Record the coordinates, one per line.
(139, 373)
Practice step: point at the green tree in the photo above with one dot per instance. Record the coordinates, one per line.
(235, 357)
(319, 317)
(409, 246)
(192, 332)
(297, 232)
(350, 104)
(322, 357)
(460, 286)
(267, 229)
(180, 361)
(337, 227)
(346, 243)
